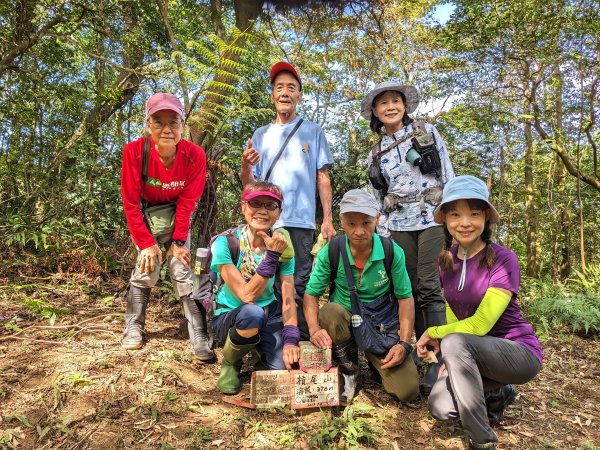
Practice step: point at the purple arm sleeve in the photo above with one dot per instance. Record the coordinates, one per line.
(268, 266)
(291, 335)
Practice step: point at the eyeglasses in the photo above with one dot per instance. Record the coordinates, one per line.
(257, 204)
(158, 125)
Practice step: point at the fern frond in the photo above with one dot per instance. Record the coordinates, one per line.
(207, 53)
(207, 114)
(221, 45)
(217, 85)
(228, 75)
(216, 94)
(227, 63)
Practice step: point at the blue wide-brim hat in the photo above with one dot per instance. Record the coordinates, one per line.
(464, 188)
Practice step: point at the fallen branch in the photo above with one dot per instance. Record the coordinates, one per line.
(56, 327)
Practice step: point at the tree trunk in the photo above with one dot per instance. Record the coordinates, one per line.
(122, 90)
(532, 269)
(561, 264)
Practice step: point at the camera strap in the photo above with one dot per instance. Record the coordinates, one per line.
(418, 129)
(285, 143)
(392, 145)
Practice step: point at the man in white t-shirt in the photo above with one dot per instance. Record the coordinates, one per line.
(300, 170)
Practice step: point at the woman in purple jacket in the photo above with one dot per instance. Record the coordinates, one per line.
(486, 344)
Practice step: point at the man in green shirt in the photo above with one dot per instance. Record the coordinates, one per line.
(331, 326)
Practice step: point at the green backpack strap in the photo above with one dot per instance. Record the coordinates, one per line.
(335, 246)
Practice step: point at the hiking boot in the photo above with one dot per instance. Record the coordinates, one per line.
(496, 402)
(375, 375)
(135, 318)
(258, 361)
(485, 446)
(346, 357)
(233, 354)
(197, 329)
(350, 382)
(432, 319)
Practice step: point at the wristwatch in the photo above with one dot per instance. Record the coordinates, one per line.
(178, 243)
(406, 345)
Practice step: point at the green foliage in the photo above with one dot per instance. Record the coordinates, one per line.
(12, 326)
(78, 379)
(10, 437)
(200, 435)
(351, 425)
(573, 306)
(579, 312)
(74, 96)
(42, 309)
(18, 417)
(587, 280)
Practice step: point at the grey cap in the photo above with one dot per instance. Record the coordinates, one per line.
(357, 200)
(410, 93)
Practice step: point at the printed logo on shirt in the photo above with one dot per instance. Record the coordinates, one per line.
(154, 182)
(383, 280)
(173, 185)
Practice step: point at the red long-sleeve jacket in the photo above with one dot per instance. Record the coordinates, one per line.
(183, 184)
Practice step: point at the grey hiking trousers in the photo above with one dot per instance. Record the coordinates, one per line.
(181, 276)
(475, 365)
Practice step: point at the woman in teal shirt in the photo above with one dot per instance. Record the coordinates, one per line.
(248, 315)
(331, 326)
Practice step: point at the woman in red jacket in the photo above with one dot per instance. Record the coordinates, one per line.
(162, 178)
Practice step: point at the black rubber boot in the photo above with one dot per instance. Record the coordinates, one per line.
(346, 357)
(420, 325)
(432, 319)
(486, 446)
(196, 320)
(496, 402)
(135, 317)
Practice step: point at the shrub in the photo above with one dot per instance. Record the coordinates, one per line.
(578, 311)
(574, 305)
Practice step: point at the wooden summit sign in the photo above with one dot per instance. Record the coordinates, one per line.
(270, 388)
(316, 385)
(315, 388)
(311, 389)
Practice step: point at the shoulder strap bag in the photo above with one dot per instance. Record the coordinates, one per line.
(375, 324)
(159, 218)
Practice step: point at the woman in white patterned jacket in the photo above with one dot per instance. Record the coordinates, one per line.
(408, 169)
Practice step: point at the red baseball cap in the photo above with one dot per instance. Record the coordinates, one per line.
(162, 101)
(283, 66)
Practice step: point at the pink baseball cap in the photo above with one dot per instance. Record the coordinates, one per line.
(250, 195)
(283, 66)
(162, 101)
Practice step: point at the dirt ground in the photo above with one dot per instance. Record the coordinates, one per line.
(71, 386)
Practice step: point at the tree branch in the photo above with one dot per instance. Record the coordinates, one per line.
(556, 147)
(180, 71)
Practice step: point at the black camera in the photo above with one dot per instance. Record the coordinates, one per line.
(426, 147)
